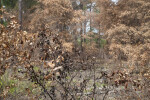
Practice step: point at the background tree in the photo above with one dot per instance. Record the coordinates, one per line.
(20, 13)
(129, 28)
(126, 26)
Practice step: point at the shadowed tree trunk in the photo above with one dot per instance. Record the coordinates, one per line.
(20, 14)
(75, 40)
(81, 38)
(90, 16)
(84, 26)
(99, 39)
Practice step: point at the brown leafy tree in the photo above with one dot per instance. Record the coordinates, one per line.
(127, 27)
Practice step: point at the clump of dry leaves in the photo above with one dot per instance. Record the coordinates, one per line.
(27, 50)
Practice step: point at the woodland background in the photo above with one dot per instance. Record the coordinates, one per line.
(74, 50)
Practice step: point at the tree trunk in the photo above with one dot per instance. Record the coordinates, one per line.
(84, 26)
(20, 14)
(81, 38)
(75, 41)
(99, 40)
(90, 17)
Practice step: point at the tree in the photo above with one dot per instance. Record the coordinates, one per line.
(128, 28)
(9, 4)
(20, 13)
(53, 14)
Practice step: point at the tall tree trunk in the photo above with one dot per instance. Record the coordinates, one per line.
(1, 3)
(90, 17)
(84, 26)
(99, 39)
(75, 41)
(20, 14)
(84, 23)
(1, 90)
(81, 38)
(99, 43)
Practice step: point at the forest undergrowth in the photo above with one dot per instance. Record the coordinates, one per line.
(51, 59)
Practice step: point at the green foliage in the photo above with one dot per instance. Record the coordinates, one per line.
(1, 3)
(12, 90)
(96, 10)
(84, 7)
(16, 86)
(27, 4)
(87, 41)
(93, 38)
(11, 4)
(102, 43)
(35, 91)
(36, 69)
(2, 21)
(1, 84)
(8, 3)
(6, 81)
(103, 85)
